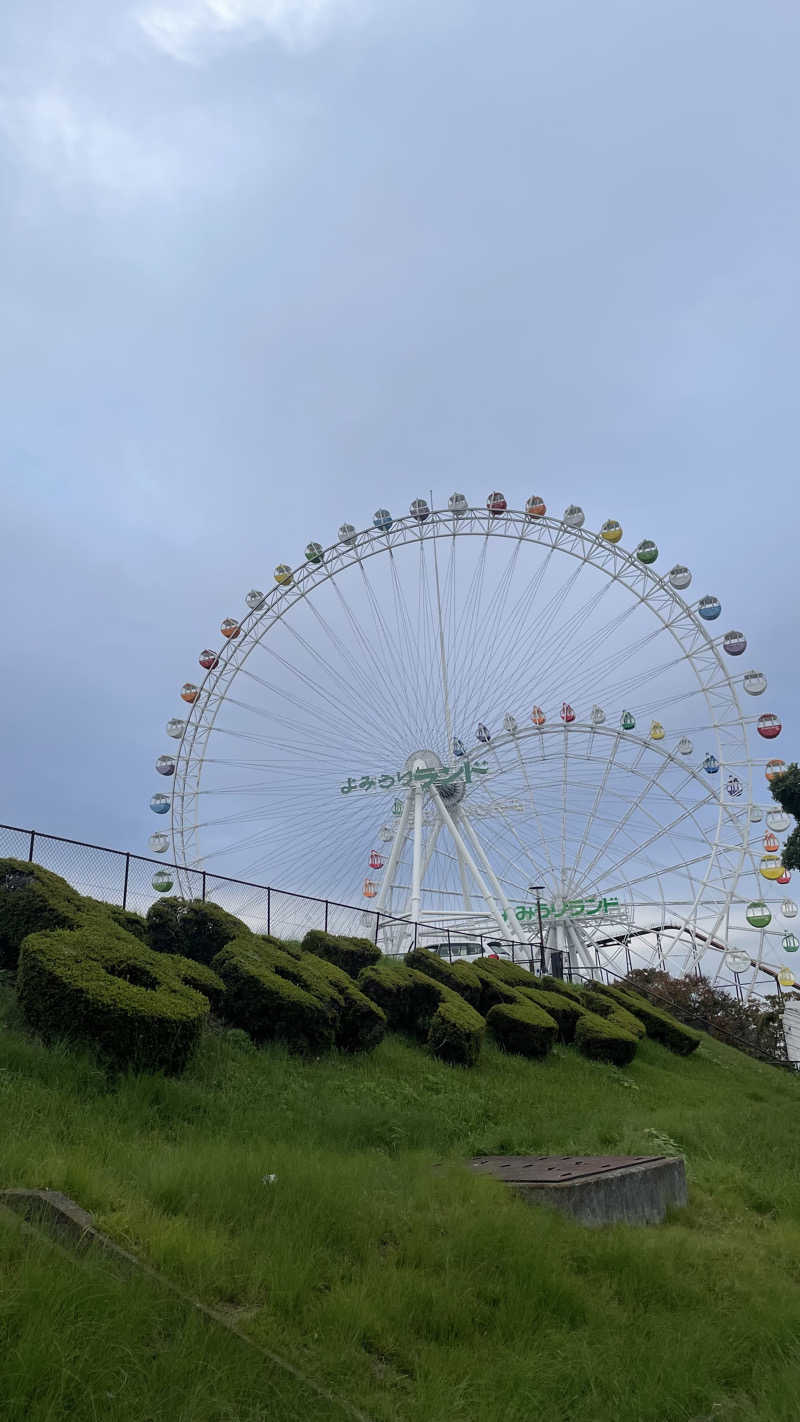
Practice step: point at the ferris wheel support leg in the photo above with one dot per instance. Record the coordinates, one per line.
(574, 940)
(429, 848)
(416, 872)
(462, 874)
(463, 851)
(752, 984)
(513, 925)
(721, 962)
(394, 855)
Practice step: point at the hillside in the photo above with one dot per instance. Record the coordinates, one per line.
(417, 1294)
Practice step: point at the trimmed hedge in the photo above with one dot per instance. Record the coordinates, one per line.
(456, 1030)
(304, 1001)
(658, 1025)
(566, 989)
(201, 978)
(125, 919)
(352, 955)
(360, 1024)
(192, 928)
(614, 1012)
(262, 999)
(565, 1011)
(33, 900)
(292, 946)
(602, 1040)
(509, 973)
(428, 1010)
(459, 977)
(523, 1027)
(408, 999)
(494, 991)
(102, 987)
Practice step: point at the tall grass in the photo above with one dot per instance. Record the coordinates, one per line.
(421, 1293)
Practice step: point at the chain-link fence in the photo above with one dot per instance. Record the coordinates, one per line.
(119, 877)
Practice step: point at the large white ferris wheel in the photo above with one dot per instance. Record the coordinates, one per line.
(495, 721)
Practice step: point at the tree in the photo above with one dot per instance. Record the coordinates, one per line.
(786, 790)
(753, 1027)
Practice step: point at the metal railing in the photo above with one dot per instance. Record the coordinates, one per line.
(120, 877)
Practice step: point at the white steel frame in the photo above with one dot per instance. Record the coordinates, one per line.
(694, 639)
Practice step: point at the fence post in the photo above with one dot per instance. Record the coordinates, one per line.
(377, 921)
(326, 915)
(30, 847)
(125, 881)
(203, 890)
(268, 912)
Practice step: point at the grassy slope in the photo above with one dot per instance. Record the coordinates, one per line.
(419, 1294)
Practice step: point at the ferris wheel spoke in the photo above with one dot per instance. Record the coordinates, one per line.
(387, 670)
(520, 685)
(598, 800)
(283, 696)
(493, 616)
(632, 808)
(533, 803)
(660, 833)
(403, 621)
(391, 665)
(511, 830)
(335, 703)
(551, 652)
(496, 639)
(381, 709)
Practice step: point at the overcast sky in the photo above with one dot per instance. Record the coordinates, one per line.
(267, 264)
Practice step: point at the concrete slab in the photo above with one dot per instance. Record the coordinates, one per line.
(594, 1189)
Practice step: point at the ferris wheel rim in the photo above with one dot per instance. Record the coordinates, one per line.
(588, 548)
(616, 562)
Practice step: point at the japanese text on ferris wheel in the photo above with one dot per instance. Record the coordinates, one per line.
(572, 908)
(424, 776)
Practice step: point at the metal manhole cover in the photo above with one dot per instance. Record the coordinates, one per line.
(554, 1169)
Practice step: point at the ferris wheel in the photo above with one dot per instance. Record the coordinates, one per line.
(494, 720)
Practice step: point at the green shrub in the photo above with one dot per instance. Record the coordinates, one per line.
(459, 977)
(493, 990)
(352, 955)
(33, 900)
(613, 1012)
(202, 978)
(565, 1011)
(456, 1030)
(191, 927)
(566, 989)
(523, 1027)
(426, 1009)
(509, 973)
(658, 1025)
(125, 919)
(360, 1023)
(97, 985)
(408, 999)
(262, 999)
(292, 946)
(602, 1040)
(302, 1000)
